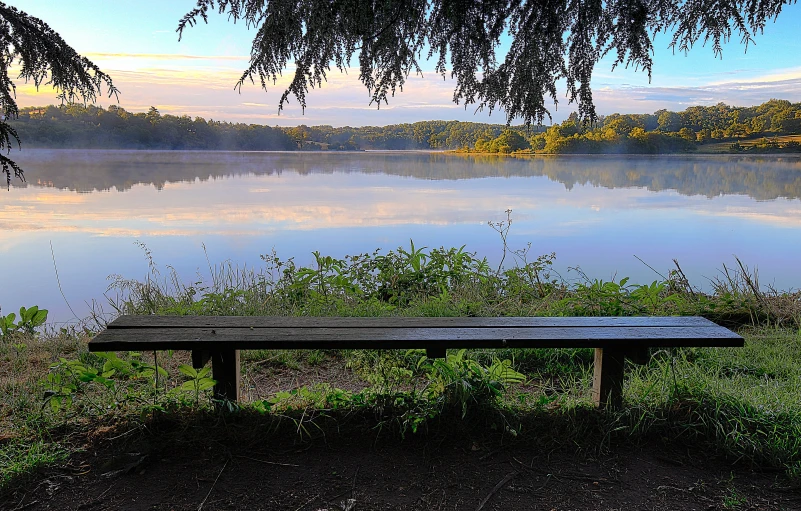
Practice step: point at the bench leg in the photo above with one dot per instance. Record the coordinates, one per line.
(639, 356)
(435, 352)
(199, 358)
(225, 370)
(607, 386)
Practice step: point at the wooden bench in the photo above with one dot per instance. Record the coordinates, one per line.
(219, 339)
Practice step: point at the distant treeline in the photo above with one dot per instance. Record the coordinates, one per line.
(661, 132)
(81, 126)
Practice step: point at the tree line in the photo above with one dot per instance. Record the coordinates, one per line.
(89, 126)
(663, 131)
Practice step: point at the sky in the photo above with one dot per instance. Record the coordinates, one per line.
(135, 42)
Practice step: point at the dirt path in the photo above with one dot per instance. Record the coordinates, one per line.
(356, 473)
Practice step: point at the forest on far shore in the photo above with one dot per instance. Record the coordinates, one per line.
(720, 128)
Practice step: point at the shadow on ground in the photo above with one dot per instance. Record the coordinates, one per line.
(208, 463)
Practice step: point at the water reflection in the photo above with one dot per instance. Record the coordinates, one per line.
(596, 212)
(760, 177)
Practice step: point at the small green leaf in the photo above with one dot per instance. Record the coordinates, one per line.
(39, 318)
(206, 383)
(187, 370)
(188, 385)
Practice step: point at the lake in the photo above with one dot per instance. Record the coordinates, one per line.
(90, 211)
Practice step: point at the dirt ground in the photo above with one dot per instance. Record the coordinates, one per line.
(355, 472)
(215, 463)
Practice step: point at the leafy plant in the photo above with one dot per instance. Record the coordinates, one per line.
(69, 379)
(461, 381)
(29, 319)
(198, 381)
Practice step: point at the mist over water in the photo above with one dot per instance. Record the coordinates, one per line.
(596, 212)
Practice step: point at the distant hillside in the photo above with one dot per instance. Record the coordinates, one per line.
(721, 128)
(79, 126)
(765, 128)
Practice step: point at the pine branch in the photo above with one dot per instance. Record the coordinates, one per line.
(551, 40)
(44, 58)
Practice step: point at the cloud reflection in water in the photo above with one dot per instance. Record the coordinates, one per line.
(593, 211)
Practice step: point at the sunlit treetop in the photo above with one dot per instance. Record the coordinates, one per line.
(549, 40)
(43, 58)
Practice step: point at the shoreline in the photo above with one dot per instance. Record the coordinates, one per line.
(449, 152)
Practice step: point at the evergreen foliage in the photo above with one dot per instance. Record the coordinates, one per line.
(43, 57)
(550, 40)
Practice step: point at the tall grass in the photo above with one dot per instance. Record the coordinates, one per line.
(444, 282)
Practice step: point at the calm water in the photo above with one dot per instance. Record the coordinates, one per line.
(594, 212)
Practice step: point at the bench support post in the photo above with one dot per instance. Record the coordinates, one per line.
(607, 385)
(199, 358)
(225, 370)
(640, 356)
(435, 352)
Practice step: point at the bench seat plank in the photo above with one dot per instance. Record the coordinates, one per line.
(219, 338)
(405, 338)
(400, 322)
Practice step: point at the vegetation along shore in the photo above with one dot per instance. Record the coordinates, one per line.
(57, 400)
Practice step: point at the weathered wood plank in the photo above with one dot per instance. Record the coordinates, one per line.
(401, 322)
(222, 337)
(377, 334)
(405, 338)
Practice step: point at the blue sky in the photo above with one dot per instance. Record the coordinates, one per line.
(136, 43)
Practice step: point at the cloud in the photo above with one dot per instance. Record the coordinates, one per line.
(206, 86)
(746, 91)
(258, 205)
(201, 85)
(164, 56)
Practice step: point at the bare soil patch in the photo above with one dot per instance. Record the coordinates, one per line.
(363, 470)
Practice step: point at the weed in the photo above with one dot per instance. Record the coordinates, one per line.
(733, 500)
(461, 382)
(29, 320)
(20, 459)
(198, 381)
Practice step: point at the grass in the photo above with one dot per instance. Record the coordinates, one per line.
(21, 459)
(742, 402)
(725, 147)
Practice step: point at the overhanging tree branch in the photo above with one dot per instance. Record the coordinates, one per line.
(550, 40)
(44, 58)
